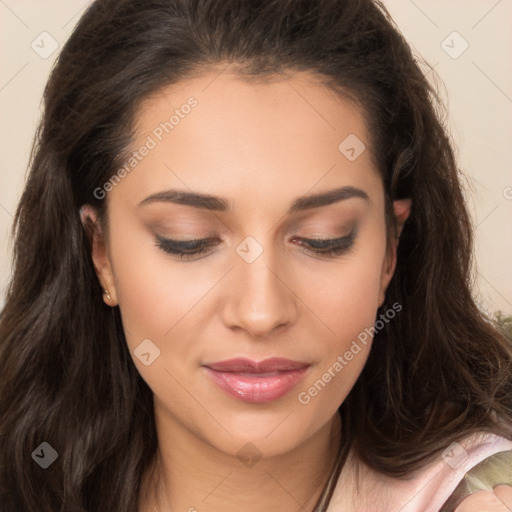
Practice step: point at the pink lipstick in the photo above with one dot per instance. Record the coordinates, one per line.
(256, 381)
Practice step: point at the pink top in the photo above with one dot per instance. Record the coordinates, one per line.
(427, 489)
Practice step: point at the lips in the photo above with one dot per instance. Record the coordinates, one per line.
(256, 381)
(241, 365)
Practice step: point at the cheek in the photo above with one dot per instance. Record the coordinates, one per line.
(346, 299)
(141, 286)
(159, 301)
(155, 293)
(171, 303)
(150, 300)
(346, 293)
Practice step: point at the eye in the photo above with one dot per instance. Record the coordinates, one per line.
(186, 249)
(331, 247)
(191, 249)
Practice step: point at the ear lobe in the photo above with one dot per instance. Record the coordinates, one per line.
(100, 257)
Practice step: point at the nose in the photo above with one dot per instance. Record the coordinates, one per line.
(259, 297)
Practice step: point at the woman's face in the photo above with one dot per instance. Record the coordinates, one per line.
(257, 169)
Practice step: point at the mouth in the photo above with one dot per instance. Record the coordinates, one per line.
(256, 381)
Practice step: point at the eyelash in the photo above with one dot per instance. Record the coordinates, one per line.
(330, 248)
(184, 249)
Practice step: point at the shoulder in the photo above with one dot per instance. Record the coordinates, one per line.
(432, 487)
(486, 486)
(497, 500)
(476, 464)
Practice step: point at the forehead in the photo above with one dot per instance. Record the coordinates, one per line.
(219, 131)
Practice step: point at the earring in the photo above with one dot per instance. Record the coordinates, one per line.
(107, 298)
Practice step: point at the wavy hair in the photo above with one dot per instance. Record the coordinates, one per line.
(439, 370)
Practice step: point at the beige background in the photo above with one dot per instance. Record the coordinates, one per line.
(477, 88)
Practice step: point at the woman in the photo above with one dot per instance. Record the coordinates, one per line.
(242, 275)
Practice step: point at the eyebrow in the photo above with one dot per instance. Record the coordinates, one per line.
(221, 204)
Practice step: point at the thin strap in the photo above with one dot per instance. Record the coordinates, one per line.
(328, 491)
(492, 471)
(325, 498)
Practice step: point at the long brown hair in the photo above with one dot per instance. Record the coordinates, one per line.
(437, 371)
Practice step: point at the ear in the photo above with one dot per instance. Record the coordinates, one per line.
(402, 210)
(100, 256)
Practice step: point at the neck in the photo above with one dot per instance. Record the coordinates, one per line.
(190, 475)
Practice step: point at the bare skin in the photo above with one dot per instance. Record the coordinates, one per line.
(499, 500)
(260, 146)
